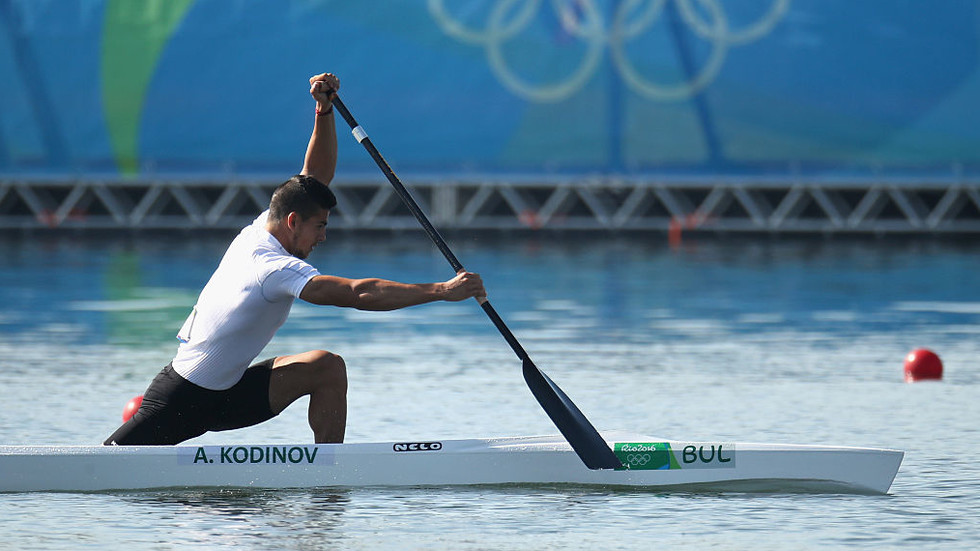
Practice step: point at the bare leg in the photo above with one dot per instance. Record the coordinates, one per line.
(322, 376)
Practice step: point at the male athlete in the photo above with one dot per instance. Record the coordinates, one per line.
(209, 385)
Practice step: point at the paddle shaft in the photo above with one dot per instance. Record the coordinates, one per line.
(413, 206)
(581, 435)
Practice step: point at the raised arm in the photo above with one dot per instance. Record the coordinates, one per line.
(321, 153)
(382, 294)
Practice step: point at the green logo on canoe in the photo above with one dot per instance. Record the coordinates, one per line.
(645, 456)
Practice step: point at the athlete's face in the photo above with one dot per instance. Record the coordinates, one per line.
(308, 232)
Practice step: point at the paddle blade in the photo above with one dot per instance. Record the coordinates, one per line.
(585, 440)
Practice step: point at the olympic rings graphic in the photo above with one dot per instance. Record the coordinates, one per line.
(584, 20)
(638, 459)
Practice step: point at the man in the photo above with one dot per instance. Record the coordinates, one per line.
(209, 385)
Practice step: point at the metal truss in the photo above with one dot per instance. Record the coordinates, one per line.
(608, 204)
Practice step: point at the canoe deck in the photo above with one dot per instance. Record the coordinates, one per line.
(649, 463)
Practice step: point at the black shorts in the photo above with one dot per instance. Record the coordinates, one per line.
(175, 409)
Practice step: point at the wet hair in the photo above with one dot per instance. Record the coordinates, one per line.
(301, 194)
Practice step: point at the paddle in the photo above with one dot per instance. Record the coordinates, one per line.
(572, 423)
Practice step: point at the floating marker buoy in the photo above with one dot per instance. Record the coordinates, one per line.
(131, 407)
(922, 365)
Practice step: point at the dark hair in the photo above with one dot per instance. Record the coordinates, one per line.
(301, 194)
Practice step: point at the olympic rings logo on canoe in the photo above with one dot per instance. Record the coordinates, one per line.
(637, 459)
(583, 20)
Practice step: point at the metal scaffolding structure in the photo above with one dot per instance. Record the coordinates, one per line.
(722, 204)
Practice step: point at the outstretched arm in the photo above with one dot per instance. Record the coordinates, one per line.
(382, 294)
(321, 153)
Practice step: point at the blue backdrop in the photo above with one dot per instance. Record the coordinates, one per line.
(465, 87)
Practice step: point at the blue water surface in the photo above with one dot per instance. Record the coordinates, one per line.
(731, 339)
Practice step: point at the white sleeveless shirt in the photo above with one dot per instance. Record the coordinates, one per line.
(242, 306)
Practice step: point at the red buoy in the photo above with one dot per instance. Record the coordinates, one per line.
(922, 365)
(131, 407)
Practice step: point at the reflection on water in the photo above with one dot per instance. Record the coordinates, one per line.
(249, 517)
(132, 292)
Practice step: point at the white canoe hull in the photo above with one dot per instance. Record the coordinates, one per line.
(654, 463)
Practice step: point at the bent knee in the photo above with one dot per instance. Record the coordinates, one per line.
(329, 360)
(331, 369)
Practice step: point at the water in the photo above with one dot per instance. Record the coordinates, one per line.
(794, 341)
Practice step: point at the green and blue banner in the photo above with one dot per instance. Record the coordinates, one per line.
(459, 88)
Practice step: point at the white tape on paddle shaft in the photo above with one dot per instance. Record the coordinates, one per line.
(359, 133)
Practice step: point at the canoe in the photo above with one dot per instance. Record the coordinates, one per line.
(648, 463)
